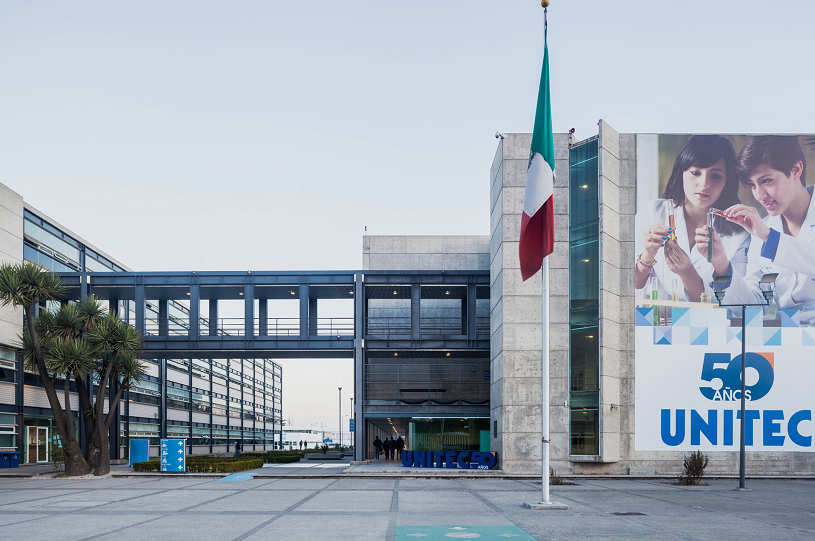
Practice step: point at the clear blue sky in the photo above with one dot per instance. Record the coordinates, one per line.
(266, 135)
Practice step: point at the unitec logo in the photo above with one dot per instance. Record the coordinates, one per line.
(719, 366)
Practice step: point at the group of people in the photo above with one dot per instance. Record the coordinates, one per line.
(392, 448)
(675, 233)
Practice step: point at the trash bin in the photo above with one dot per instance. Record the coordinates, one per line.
(14, 460)
(5, 459)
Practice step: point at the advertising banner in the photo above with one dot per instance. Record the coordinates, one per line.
(688, 384)
(733, 215)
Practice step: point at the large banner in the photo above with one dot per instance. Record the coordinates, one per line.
(688, 382)
(736, 209)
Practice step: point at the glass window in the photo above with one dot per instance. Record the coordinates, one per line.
(46, 238)
(584, 291)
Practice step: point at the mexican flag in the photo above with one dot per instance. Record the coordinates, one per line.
(538, 219)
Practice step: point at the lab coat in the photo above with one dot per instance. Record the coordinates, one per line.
(794, 262)
(657, 212)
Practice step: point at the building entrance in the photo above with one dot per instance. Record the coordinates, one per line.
(37, 444)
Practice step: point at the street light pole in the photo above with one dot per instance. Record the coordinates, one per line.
(339, 444)
(723, 282)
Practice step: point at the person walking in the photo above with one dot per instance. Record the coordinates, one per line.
(301, 445)
(377, 447)
(237, 448)
(387, 446)
(400, 446)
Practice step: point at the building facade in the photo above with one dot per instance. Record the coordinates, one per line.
(211, 402)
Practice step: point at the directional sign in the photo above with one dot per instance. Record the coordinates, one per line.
(174, 456)
(352, 425)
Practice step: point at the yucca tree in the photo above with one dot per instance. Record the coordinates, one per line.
(74, 342)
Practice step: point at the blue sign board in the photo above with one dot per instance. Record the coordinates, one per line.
(473, 460)
(139, 451)
(174, 456)
(351, 424)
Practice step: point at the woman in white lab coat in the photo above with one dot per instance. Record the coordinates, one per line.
(704, 175)
(774, 168)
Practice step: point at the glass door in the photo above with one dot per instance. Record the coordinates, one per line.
(37, 444)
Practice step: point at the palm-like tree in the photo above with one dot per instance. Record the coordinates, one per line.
(74, 342)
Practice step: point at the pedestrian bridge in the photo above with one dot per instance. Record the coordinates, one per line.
(387, 311)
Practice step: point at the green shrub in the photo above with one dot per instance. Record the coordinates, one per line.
(150, 465)
(224, 466)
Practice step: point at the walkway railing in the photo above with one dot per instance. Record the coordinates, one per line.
(271, 327)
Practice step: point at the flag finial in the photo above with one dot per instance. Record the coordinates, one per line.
(544, 4)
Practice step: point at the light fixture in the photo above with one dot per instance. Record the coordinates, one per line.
(585, 186)
(590, 336)
(448, 353)
(188, 293)
(585, 261)
(240, 294)
(395, 354)
(292, 292)
(446, 292)
(351, 292)
(394, 292)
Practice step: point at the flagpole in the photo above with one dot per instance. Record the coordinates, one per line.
(545, 340)
(545, 382)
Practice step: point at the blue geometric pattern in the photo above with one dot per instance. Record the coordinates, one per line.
(698, 336)
(644, 317)
(790, 317)
(680, 317)
(662, 336)
(755, 317)
(733, 333)
(808, 337)
(772, 337)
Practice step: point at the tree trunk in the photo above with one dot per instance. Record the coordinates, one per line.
(75, 463)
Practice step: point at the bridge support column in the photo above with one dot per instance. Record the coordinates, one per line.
(195, 311)
(140, 308)
(360, 448)
(304, 311)
(263, 317)
(213, 317)
(312, 317)
(249, 310)
(163, 318)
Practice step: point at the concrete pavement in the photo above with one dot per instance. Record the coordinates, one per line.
(398, 509)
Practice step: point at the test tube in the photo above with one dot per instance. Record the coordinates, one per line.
(672, 234)
(710, 219)
(654, 296)
(674, 295)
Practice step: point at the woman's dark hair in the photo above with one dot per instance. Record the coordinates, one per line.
(781, 152)
(705, 151)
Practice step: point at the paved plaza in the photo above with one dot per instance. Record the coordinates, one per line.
(398, 509)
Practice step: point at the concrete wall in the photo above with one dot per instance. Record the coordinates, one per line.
(450, 252)
(11, 251)
(515, 315)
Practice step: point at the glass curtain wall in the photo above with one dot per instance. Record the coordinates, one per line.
(584, 290)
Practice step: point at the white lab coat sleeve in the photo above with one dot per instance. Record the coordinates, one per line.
(795, 255)
(739, 259)
(744, 284)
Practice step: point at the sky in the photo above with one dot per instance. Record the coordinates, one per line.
(266, 135)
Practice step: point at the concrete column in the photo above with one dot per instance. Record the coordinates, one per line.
(163, 315)
(471, 303)
(162, 411)
(312, 317)
(195, 311)
(213, 318)
(263, 316)
(415, 311)
(303, 311)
